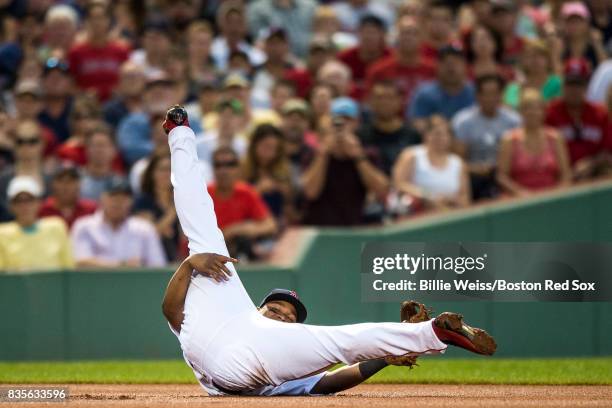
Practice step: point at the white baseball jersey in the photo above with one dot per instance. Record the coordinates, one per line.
(229, 343)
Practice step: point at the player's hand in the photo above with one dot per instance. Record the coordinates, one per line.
(212, 265)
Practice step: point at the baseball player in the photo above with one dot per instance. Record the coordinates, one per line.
(234, 349)
(285, 306)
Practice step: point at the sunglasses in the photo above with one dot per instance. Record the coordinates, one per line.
(228, 163)
(27, 141)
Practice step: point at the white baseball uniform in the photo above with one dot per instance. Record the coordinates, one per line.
(229, 344)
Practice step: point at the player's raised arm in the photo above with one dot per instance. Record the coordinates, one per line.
(211, 265)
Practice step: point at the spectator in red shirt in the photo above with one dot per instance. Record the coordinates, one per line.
(64, 201)
(95, 62)
(484, 54)
(583, 124)
(241, 213)
(438, 23)
(406, 66)
(532, 157)
(370, 49)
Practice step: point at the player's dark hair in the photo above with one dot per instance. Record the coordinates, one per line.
(483, 79)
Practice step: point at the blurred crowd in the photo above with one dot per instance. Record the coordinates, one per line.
(331, 113)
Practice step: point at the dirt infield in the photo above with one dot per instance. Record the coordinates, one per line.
(371, 396)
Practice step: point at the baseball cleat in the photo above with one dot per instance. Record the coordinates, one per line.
(451, 329)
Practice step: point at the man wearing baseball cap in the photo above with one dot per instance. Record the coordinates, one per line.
(583, 124)
(30, 243)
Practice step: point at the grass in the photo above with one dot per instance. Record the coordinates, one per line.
(431, 371)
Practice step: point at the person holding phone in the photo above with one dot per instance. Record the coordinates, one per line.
(337, 180)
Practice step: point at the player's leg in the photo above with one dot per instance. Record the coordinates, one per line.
(276, 352)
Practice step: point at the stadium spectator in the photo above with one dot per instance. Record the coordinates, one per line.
(337, 76)
(64, 201)
(274, 69)
(484, 54)
(134, 131)
(407, 67)
(539, 69)
(294, 17)
(60, 28)
(533, 157)
(231, 114)
(431, 173)
(299, 139)
(478, 131)
(112, 238)
(386, 134)
(30, 243)
(127, 96)
(580, 40)
(155, 203)
(95, 61)
(156, 45)
(445, 96)
(57, 103)
(28, 105)
(28, 158)
(98, 174)
(208, 94)
(266, 168)
(371, 47)
(582, 124)
(437, 23)
(84, 116)
(232, 25)
(200, 63)
(336, 181)
(241, 213)
(304, 78)
(503, 21)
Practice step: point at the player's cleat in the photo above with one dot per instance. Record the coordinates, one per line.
(451, 329)
(414, 312)
(176, 116)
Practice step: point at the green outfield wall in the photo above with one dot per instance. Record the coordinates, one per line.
(117, 314)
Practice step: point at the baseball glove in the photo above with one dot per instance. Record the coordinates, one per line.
(410, 312)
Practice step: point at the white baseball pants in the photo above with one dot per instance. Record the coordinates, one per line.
(223, 336)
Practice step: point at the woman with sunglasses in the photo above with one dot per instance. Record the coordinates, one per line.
(28, 153)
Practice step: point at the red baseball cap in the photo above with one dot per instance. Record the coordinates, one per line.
(577, 70)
